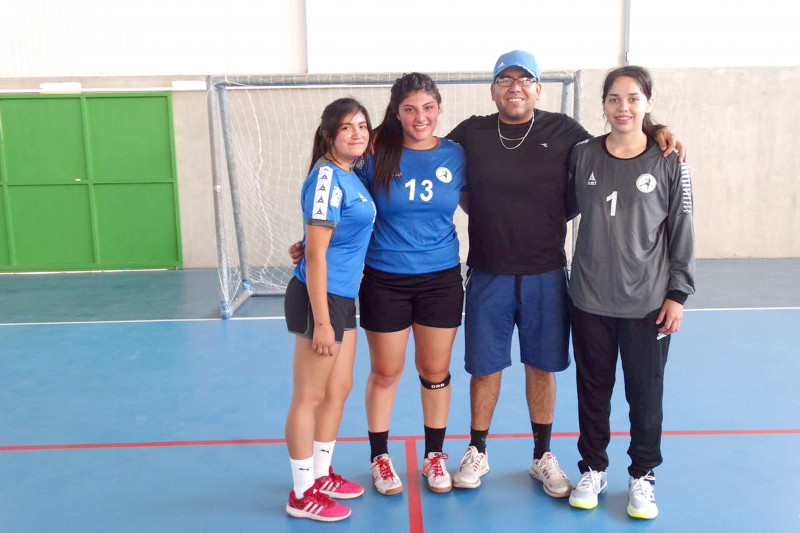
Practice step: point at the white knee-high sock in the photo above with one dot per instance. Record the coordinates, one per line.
(323, 452)
(302, 475)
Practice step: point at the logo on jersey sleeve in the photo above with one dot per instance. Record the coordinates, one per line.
(444, 175)
(321, 193)
(646, 183)
(362, 197)
(592, 180)
(336, 196)
(686, 188)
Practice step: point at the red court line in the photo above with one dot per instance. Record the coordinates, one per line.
(415, 523)
(407, 439)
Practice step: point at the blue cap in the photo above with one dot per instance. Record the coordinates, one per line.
(519, 59)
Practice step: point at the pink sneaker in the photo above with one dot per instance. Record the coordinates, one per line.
(335, 486)
(316, 506)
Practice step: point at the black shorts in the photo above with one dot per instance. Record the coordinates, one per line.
(300, 319)
(392, 302)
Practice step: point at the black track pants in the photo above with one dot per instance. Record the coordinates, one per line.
(596, 340)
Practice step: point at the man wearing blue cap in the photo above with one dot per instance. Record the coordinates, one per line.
(517, 176)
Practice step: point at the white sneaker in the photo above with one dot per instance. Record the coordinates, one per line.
(641, 498)
(474, 465)
(554, 482)
(434, 469)
(384, 476)
(584, 495)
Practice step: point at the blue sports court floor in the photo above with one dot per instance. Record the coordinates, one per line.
(126, 405)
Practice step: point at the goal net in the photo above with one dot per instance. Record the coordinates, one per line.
(262, 131)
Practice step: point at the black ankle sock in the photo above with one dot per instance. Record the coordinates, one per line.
(378, 444)
(541, 439)
(478, 439)
(434, 439)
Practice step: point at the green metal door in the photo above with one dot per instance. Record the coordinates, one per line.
(88, 182)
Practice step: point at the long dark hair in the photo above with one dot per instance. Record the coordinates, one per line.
(645, 82)
(388, 136)
(329, 123)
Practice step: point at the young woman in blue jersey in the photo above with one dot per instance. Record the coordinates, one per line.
(320, 309)
(632, 271)
(412, 278)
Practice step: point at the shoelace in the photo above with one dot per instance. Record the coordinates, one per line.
(321, 499)
(338, 480)
(385, 468)
(550, 465)
(642, 487)
(435, 464)
(588, 480)
(472, 460)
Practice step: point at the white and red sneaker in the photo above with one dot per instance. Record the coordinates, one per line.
(384, 476)
(554, 482)
(436, 472)
(315, 505)
(335, 486)
(474, 465)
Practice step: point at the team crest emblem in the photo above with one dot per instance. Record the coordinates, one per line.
(646, 183)
(444, 175)
(592, 180)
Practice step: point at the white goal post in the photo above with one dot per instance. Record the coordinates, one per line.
(261, 130)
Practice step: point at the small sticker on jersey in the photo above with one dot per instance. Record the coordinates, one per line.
(591, 181)
(444, 175)
(646, 183)
(336, 197)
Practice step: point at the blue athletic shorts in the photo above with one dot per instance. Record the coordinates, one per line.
(536, 304)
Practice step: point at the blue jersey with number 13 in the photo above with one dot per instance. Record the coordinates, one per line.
(414, 231)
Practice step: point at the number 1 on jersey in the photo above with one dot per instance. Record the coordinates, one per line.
(613, 199)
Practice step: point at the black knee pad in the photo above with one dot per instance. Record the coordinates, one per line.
(434, 386)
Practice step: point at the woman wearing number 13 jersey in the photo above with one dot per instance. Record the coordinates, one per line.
(412, 277)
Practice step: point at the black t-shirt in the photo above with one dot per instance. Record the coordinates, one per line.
(517, 197)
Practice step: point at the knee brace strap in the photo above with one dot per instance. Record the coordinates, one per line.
(433, 386)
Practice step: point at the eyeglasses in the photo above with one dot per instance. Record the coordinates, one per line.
(508, 82)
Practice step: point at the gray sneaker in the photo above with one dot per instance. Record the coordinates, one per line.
(641, 497)
(584, 495)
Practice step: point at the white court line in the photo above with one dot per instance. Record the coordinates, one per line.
(743, 309)
(144, 321)
(245, 318)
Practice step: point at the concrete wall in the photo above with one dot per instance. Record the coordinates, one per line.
(736, 120)
(738, 125)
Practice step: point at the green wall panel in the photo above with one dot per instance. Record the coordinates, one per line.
(136, 223)
(129, 138)
(88, 182)
(52, 225)
(43, 139)
(5, 256)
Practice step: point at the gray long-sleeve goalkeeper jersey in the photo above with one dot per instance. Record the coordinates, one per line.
(636, 236)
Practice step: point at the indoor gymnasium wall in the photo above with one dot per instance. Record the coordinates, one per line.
(737, 120)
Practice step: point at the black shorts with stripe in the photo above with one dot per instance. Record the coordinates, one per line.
(300, 318)
(392, 302)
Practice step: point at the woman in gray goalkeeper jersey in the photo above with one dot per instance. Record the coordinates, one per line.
(632, 272)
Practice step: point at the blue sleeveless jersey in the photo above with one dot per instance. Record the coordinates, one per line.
(338, 199)
(414, 231)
